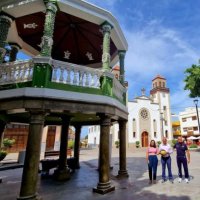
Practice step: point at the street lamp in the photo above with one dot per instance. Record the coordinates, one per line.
(162, 119)
(196, 104)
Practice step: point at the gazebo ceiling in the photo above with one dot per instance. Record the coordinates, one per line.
(75, 40)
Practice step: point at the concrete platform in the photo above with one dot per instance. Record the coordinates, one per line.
(134, 187)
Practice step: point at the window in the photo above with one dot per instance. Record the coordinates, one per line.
(155, 134)
(134, 134)
(194, 117)
(190, 128)
(195, 128)
(144, 114)
(159, 84)
(164, 107)
(184, 119)
(185, 129)
(163, 84)
(166, 123)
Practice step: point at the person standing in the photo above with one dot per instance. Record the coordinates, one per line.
(182, 159)
(165, 150)
(152, 160)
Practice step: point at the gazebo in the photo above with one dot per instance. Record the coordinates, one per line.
(72, 47)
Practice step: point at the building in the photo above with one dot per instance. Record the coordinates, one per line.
(189, 122)
(67, 82)
(176, 129)
(149, 117)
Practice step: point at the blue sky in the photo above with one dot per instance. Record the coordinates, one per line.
(163, 38)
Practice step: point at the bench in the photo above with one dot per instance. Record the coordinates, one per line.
(48, 164)
(57, 153)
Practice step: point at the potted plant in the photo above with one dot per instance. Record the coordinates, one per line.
(2, 154)
(7, 143)
(117, 144)
(137, 144)
(158, 143)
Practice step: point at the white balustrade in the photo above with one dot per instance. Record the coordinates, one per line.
(78, 75)
(118, 89)
(16, 72)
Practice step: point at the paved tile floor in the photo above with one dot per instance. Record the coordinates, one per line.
(135, 187)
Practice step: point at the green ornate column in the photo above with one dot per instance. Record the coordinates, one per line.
(28, 189)
(47, 39)
(106, 27)
(77, 145)
(121, 64)
(106, 79)
(104, 186)
(13, 52)
(62, 173)
(122, 149)
(42, 69)
(5, 23)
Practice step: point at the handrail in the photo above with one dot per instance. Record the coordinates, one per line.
(16, 72)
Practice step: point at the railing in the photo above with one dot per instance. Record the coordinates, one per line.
(118, 89)
(67, 73)
(16, 72)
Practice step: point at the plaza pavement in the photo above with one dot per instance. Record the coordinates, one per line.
(135, 187)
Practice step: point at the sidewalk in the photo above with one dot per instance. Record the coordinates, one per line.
(135, 187)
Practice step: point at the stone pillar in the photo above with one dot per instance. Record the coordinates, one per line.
(104, 185)
(44, 141)
(57, 139)
(2, 127)
(5, 23)
(30, 170)
(62, 172)
(121, 64)
(13, 52)
(106, 27)
(122, 149)
(47, 39)
(77, 145)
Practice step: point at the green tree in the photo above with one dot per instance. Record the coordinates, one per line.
(192, 81)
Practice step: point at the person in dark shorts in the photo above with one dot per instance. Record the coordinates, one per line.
(182, 158)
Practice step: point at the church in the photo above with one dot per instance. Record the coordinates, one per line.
(149, 117)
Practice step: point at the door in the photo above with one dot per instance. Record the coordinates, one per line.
(145, 140)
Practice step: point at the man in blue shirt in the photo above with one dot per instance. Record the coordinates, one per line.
(182, 159)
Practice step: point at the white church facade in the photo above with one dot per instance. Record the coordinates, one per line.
(149, 117)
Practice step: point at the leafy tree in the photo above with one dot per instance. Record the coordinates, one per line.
(192, 81)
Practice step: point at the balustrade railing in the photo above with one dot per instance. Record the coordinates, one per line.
(16, 72)
(118, 89)
(67, 73)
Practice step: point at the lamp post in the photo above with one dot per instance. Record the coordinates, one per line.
(196, 104)
(162, 119)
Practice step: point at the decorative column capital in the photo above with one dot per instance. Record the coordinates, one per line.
(5, 18)
(106, 27)
(105, 120)
(121, 54)
(52, 7)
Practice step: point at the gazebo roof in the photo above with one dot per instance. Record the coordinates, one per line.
(77, 36)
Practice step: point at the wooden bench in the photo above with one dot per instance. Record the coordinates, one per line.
(56, 153)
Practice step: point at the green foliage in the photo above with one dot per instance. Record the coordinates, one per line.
(86, 137)
(2, 154)
(117, 144)
(193, 146)
(174, 142)
(137, 144)
(158, 143)
(71, 144)
(192, 81)
(8, 142)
